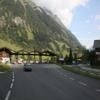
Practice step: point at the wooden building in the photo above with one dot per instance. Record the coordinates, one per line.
(5, 55)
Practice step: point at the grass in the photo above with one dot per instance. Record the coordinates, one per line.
(5, 68)
(9, 45)
(80, 71)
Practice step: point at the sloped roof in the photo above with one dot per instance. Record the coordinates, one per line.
(7, 50)
(96, 44)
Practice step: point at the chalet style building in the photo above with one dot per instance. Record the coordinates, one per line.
(8, 56)
(5, 54)
(96, 48)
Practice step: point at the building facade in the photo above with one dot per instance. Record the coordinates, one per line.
(5, 55)
(96, 48)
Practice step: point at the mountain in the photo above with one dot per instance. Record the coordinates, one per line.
(24, 25)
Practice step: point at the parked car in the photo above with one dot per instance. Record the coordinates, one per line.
(27, 67)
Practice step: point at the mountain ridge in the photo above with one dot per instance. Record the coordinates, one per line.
(24, 25)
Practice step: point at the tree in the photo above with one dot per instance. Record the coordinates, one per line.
(66, 59)
(70, 59)
(75, 58)
(86, 56)
(92, 57)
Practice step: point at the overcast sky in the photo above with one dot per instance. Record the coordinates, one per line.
(82, 17)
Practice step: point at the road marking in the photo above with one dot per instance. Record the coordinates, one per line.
(98, 90)
(11, 86)
(13, 77)
(82, 83)
(2, 72)
(72, 79)
(13, 80)
(8, 95)
(13, 73)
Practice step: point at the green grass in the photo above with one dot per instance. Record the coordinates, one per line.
(9, 45)
(5, 68)
(80, 71)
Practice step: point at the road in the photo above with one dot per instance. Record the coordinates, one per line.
(5, 80)
(50, 82)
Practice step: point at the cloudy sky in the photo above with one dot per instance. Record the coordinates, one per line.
(82, 17)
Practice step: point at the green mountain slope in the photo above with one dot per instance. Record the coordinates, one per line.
(24, 25)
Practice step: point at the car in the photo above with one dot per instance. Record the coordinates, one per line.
(27, 67)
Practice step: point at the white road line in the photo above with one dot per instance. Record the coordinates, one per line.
(13, 80)
(82, 83)
(71, 78)
(98, 90)
(11, 86)
(13, 77)
(8, 95)
(2, 72)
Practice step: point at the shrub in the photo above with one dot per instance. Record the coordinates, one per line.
(5, 67)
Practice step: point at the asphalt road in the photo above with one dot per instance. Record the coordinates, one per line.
(5, 80)
(50, 82)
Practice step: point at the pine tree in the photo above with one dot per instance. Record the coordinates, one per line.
(70, 59)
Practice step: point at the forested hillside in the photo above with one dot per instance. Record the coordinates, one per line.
(24, 25)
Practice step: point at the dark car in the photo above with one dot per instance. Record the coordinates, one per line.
(27, 67)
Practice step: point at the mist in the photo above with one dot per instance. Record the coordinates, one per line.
(64, 9)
